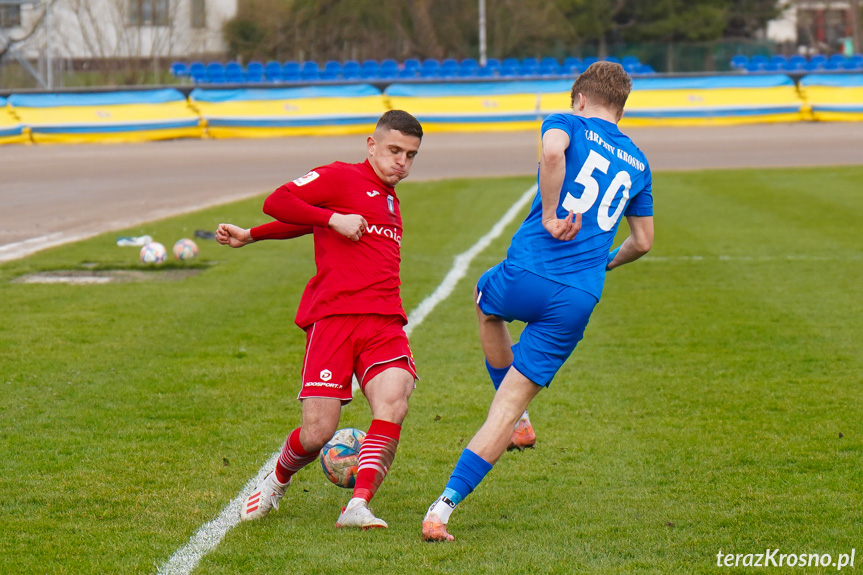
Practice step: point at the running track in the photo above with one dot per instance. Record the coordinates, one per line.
(54, 194)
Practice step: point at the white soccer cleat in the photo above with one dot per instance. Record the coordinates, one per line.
(358, 514)
(265, 497)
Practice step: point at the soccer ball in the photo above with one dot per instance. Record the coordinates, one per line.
(340, 457)
(185, 249)
(152, 253)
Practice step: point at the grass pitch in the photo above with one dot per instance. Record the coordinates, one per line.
(715, 403)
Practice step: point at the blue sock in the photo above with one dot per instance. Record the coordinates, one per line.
(468, 472)
(496, 373)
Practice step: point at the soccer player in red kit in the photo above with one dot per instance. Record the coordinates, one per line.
(351, 309)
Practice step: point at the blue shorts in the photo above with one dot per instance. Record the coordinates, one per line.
(556, 317)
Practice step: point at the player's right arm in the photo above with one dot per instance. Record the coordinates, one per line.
(301, 203)
(638, 243)
(552, 171)
(237, 237)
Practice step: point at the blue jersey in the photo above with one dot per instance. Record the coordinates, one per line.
(607, 177)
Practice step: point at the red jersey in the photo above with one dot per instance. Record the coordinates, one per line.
(352, 277)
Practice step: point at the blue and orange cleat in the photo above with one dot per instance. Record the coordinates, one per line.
(434, 529)
(523, 436)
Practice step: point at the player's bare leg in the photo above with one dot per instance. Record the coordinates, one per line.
(497, 346)
(512, 398)
(320, 420)
(388, 394)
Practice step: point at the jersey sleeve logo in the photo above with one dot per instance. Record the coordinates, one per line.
(310, 177)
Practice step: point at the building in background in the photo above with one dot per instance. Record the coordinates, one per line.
(82, 30)
(825, 27)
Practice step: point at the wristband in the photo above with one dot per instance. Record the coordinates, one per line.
(611, 255)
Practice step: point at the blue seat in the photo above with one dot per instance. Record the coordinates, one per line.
(350, 70)
(179, 70)
(754, 66)
(644, 69)
(273, 71)
(834, 65)
(332, 70)
(818, 59)
(772, 66)
(629, 62)
(449, 68)
(430, 68)
(837, 59)
(254, 72)
(739, 62)
(492, 64)
(198, 72)
(234, 73)
(486, 72)
(310, 71)
(814, 66)
(411, 64)
(528, 67)
(369, 69)
(794, 66)
(468, 68)
(215, 73)
(589, 60)
(291, 71)
(549, 61)
(759, 60)
(507, 71)
(612, 59)
(779, 60)
(389, 69)
(510, 62)
(549, 68)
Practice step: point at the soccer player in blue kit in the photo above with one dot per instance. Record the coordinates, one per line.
(590, 175)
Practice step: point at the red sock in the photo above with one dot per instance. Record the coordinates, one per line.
(376, 456)
(293, 457)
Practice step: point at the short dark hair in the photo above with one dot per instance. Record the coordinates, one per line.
(401, 121)
(605, 82)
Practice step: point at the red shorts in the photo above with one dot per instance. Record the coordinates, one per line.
(339, 346)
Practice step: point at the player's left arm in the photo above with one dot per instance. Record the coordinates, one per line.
(237, 237)
(638, 243)
(552, 171)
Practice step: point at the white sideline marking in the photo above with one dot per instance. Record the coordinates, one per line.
(210, 534)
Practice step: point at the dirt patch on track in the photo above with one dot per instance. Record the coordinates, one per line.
(89, 277)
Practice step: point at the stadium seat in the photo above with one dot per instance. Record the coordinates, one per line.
(759, 60)
(449, 68)
(389, 69)
(837, 59)
(234, 73)
(588, 61)
(644, 69)
(486, 72)
(612, 59)
(310, 71)
(773, 67)
(350, 70)
(468, 68)
(818, 59)
(198, 72)
(510, 63)
(528, 67)
(813, 65)
(549, 67)
(629, 62)
(179, 70)
(754, 66)
(507, 71)
(492, 64)
(273, 71)
(215, 73)
(833, 65)
(291, 71)
(369, 69)
(332, 70)
(739, 62)
(779, 60)
(254, 72)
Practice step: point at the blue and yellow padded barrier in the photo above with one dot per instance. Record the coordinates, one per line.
(11, 130)
(307, 111)
(107, 117)
(718, 100)
(834, 97)
(482, 106)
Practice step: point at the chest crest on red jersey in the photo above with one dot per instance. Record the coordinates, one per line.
(391, 204)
